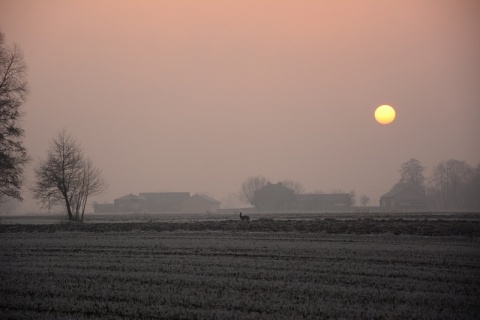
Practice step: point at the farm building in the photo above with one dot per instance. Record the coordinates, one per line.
(200, 203)
(273, 197)
(277, 197)
(129, 203)
(403, 197)
(164, 201)
(321, 202)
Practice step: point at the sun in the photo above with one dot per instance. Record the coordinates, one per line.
(385, 114)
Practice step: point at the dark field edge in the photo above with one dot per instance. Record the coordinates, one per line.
(395, 226)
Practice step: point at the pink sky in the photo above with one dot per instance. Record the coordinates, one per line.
(199, 95)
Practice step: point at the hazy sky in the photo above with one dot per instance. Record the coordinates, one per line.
(199, 95)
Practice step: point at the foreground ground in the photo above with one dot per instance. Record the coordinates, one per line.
(140, 272)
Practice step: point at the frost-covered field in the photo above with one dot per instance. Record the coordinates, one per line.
(236, 274)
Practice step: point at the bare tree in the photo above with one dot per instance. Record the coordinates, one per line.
(13, 92)
(455, 185)
(249, 186)
(297, 187)
(364, 200)
(91, 184)
(67, 177)
(411, 174)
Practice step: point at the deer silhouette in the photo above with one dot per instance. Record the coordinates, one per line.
(244, 218)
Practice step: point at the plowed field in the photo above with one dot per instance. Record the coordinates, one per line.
(236, 274)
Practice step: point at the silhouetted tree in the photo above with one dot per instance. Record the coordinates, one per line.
(297, 187)
(411, 174)
(364, 200)
(249, 186)
(67, 177)
(455, 185)
(13, 92)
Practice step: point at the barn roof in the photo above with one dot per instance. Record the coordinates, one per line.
(404, 191)
(208, 198)
(166, 197)
(274, 187)
(130, 197)
(323, 197)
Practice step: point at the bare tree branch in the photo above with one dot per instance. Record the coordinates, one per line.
(297, 187)
(13, 92)
(249, 186)
(67, 177)
(411, 174)
(455, 185)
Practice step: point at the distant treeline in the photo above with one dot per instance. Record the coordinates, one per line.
(454, 185)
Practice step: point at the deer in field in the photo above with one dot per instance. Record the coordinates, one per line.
(244, 218)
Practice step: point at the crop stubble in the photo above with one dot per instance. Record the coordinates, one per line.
(237, 275)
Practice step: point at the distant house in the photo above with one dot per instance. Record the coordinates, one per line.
(402, 196)
(273, 197)
(129, 203)
(321, 202)
(277, 197)
(200, 203)
(164, 201)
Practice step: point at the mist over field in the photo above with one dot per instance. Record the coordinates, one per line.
(194, 97)
(236, 162)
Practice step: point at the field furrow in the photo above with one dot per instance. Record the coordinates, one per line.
(203, 275)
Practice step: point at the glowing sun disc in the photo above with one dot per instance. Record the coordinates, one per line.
(385, 114)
